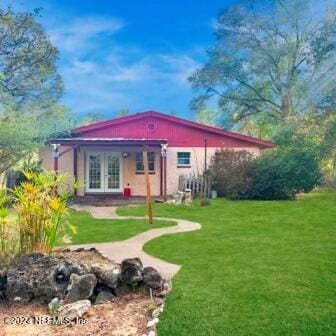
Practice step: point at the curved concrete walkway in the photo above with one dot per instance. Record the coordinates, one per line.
(133, 247)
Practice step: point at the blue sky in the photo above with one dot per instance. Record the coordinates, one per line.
(129, 54)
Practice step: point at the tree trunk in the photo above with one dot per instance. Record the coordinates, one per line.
(285, 105)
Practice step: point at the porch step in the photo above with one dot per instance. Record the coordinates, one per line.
(110, 200)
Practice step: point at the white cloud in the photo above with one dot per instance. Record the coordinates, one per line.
(181, 67)
(213, 23)
(151, 82)
(76, 34)
(159, 67)
(102, 75)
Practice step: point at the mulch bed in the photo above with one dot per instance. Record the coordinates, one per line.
(79, 256)
(126, 316)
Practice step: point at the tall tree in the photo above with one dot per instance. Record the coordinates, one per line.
(122, 112)
(273, 60)
(22, 133)
(30, 87)
(173, 113)
(27, 61)
(90, 118)
(207, 116)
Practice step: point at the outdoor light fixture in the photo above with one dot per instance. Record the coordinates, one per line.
(55, 153)
(164, 150)
(125, 155)
(55, 146)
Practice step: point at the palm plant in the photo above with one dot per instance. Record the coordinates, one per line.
(8, 241)
(4, 199)
(41, 205)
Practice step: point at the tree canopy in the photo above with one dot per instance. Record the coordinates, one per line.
(30, 87)
(90, 118)
(27, 61)
(273, 60)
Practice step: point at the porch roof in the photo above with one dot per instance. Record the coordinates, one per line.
(108, 141)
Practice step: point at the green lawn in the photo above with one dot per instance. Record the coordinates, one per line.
(255, 268)
(92, 230)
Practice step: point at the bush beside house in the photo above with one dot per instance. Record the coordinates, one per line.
(284, 173)
(231, 173)
(276, 175)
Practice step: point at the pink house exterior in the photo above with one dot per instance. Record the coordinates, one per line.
(107, 156)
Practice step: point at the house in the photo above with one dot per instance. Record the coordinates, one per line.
(107, 155)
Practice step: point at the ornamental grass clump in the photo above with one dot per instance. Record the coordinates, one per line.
(8, 241)
(42, 212)
(3, 219)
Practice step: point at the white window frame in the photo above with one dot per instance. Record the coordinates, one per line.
(183, 164)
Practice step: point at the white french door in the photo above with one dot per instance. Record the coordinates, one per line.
(103, 172)
(112, 169)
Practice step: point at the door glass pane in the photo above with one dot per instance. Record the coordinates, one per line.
(95, 171)
(113, 172)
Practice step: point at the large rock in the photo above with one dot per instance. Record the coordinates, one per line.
(81, 287)
(3, 279)
(187, 197)
(36, 275)
(131, 271)
(179, 197)
(104, 297)
(152, 278)
(3, 283)
(75, 310)
(123, 289)
(107, 274)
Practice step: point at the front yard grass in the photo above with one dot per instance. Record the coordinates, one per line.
(92, 230)
(255, 268)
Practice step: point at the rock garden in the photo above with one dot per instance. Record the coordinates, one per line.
(45, 290)
(78, 293)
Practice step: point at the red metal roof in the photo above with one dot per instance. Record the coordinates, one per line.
(96, 128)
(109, 141)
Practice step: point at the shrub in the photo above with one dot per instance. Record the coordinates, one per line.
(30, 165)
(329, 181)
(204, 201)
(231, 173)
(283, 173)
(42, 211)
(4, 200)
(8, 242)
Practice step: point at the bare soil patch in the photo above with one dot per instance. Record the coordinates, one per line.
(126, 316)
(80, 256)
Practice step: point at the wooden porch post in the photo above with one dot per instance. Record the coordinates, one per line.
(75, 167)
(148, 189)
(161, 175)
(165, 178)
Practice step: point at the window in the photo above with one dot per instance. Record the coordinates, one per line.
(139, 166)
(183, 158)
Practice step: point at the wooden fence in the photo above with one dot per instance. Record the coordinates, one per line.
(199, 185)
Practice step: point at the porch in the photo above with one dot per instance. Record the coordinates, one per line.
(102, 200)
(105, 166)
